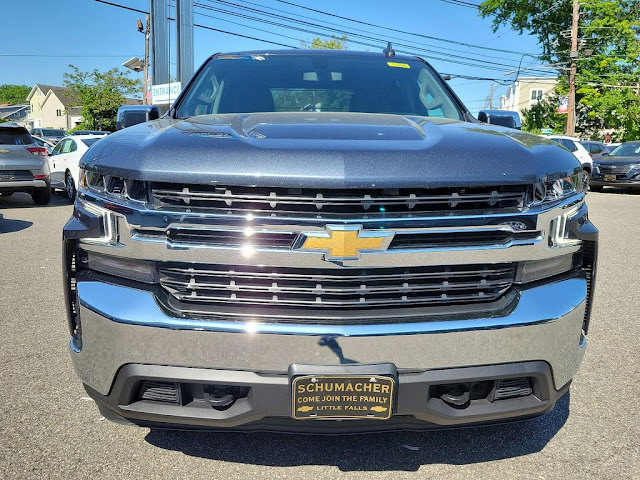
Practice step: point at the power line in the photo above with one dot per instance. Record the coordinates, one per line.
(62, 56)
(461, 3)
(475, 63)
(202, 26)
(401, 31)
(246, 26)
(387, 37)
(453, 75)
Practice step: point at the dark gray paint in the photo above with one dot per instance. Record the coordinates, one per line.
(328, 150)
(618, 161)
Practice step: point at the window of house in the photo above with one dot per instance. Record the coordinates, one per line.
(58, 113)
(536, 94)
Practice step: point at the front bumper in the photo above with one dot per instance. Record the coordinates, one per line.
(124, 327)
(616, 183)
(267, 406)
(627, 180)
(23, 186)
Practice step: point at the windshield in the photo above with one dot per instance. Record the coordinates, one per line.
(14, 136)
(626, 150)
(89, 141)
(317, 83)
(567, 143)
(48, 132)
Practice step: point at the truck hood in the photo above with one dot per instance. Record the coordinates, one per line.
(327, 150)
(618, 161)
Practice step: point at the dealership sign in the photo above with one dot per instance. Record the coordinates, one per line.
(165, 93)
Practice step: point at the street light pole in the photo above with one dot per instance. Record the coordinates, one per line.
(571, 115)
(147, 34)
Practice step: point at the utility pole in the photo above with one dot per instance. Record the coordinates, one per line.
(571, 115)
(184, 40)
(160, 40)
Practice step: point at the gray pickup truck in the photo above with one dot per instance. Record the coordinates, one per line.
(23, 164)
(323, 241)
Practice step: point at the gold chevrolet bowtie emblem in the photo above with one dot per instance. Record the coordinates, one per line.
(346, 242)
(4, 151)
(378, 408)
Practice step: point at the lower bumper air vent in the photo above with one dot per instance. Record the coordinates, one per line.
(160, 392)
(512, 388)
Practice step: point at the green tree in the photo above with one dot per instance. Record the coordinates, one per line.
(608, 80)
(543, 114)
(14, 94)
(100, 94)
(336, 43)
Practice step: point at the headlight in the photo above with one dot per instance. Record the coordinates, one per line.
(117, 188)
(552, 191)
(108, 233)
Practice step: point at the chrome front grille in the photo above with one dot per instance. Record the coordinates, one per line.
(614, 169)
(320, 202)
(336, 288)
(493, 236)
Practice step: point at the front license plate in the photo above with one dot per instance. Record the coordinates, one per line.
(333, 396)
(609, 178)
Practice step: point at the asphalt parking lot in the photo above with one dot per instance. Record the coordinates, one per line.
(49, 428)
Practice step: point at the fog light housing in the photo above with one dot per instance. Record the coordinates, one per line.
(138, 270)
(539, 269)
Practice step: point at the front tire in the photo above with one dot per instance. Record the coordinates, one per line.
(70, 187)
(42, 196)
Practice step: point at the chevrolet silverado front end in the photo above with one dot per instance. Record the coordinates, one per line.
(326, 242)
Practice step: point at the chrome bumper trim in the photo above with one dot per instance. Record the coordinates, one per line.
(536, 305)
(23, 183)
(545, 326)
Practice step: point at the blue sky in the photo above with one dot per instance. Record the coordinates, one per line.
(48, 35)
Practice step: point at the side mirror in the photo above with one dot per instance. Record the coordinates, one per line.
(504, 118)
(133, 114)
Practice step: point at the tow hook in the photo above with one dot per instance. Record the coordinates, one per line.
(457, 396)
(218, 397)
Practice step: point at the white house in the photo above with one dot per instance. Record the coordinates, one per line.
(526, 92)
(52, 107)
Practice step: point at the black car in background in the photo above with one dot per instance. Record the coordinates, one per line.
(621, 168)
(596, 149)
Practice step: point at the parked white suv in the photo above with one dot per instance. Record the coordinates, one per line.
(574, 146)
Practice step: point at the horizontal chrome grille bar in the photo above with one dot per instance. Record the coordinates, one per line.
(298, 287)
(412, 239)
(342, 202)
